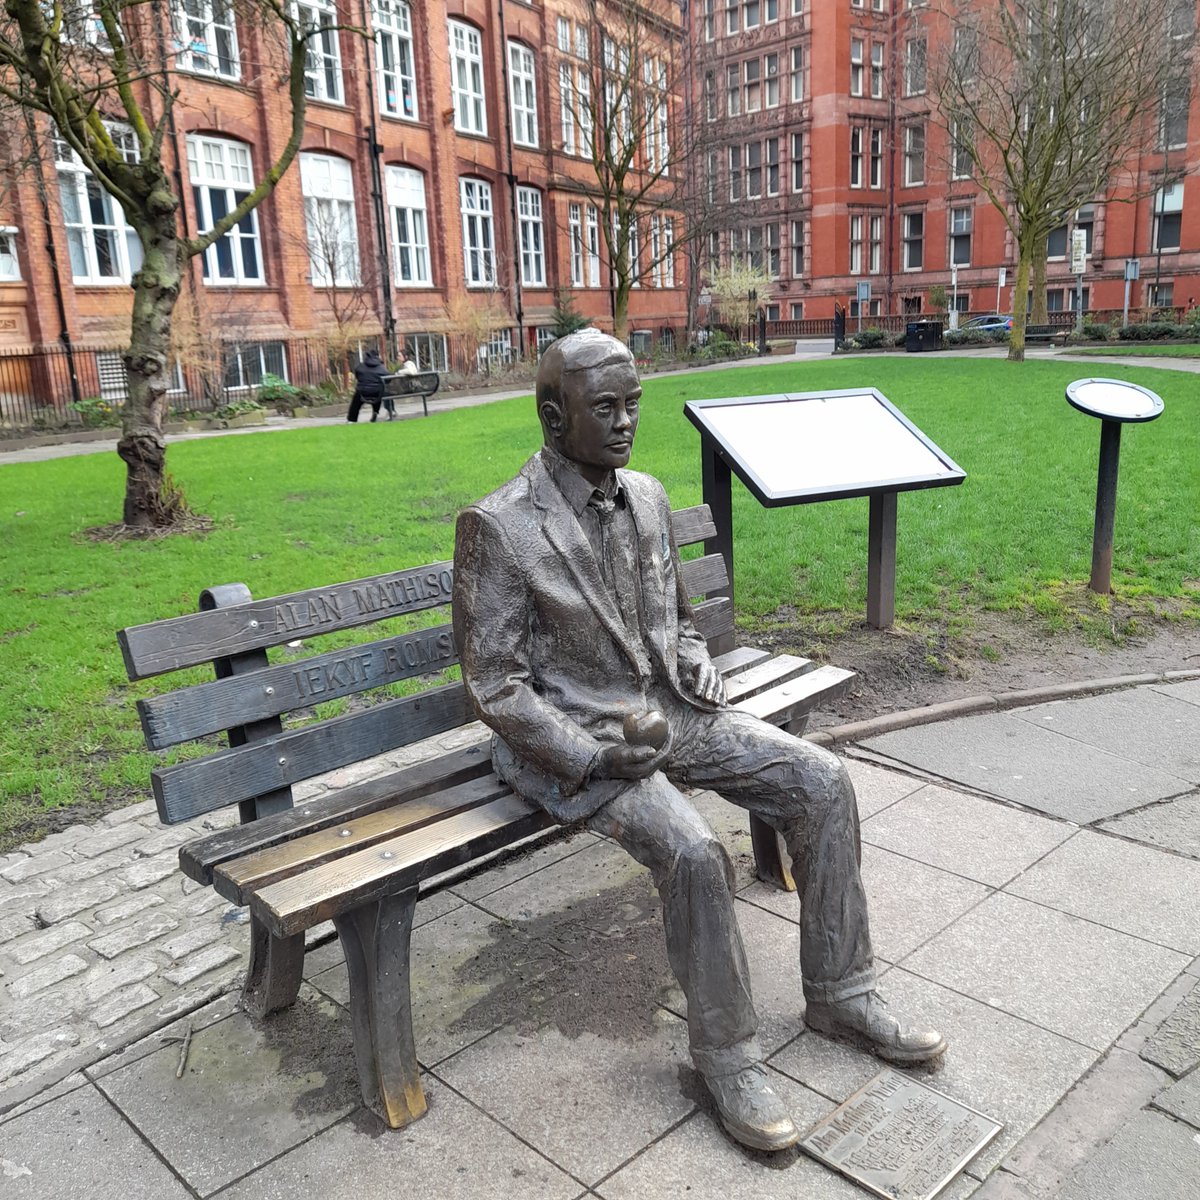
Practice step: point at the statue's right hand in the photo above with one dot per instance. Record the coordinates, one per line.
(619, 760)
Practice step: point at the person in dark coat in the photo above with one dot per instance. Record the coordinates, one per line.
(370, 386)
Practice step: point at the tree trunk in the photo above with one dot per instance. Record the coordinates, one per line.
(1016, 339)
(142, 445)
(1040, 315)
(621, 312)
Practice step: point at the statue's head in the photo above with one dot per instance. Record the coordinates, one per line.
(587, 398)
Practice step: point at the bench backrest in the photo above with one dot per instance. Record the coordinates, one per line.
(250, 695)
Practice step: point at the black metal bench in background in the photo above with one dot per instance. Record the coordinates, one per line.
(361, 855)
(423, 384)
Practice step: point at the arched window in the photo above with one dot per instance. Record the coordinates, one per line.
(408, 227)
(394, 46)
(479, 241)
(328, 186)
(222, 175)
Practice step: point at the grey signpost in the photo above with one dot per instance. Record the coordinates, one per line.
(802, 447)
(1116, 403)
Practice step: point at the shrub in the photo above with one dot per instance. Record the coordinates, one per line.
(97, 412)
(1149, 331)
(967, 337)
(236, 408)
(869, 339)
(1096, 331)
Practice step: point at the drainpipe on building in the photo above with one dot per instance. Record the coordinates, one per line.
(64, 335)
(893, 83)
(512, 187)
(377, 204)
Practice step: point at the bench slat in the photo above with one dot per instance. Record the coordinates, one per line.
(775, 670)
(691, 525)
(202, 785)
(787, 701)
(198, 859)
(293, 905)
(739, 659)
(202, 636)
(704, 575)
(206, 708)
(235, 880)
(713, 617)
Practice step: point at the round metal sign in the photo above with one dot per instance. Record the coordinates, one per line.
(1114, 400)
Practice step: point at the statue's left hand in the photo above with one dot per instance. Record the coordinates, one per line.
(708, 685)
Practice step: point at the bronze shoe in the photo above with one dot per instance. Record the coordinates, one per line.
(751, 1111)
(864, 1021)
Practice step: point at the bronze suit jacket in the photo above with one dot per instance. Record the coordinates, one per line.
(546, 658)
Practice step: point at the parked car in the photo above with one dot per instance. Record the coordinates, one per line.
(990, 323)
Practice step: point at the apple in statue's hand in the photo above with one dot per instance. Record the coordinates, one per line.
(647, 729)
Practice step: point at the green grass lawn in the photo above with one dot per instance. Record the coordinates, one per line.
(1143, 350)
(306, 507)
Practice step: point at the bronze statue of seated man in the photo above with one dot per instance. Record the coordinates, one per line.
(579, 651)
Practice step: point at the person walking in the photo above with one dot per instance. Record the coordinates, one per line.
(370, 386)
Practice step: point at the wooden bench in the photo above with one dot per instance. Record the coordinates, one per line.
(1046, 333)
(360, 855)
(423, 384)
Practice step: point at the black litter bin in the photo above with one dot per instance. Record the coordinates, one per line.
(922, 335)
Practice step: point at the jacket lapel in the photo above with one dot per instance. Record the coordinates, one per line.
(654, 550)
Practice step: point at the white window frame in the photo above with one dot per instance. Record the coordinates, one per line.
(10, 264)
(1168, 202)
(797, 143)
(199, 25)
(916, 66)
(428, 350)
(877, 49)
(223, 165)
(330, 219)
(875, 141)
(522, 84)
(874, 244)
(910, 239)
(592, 245)
(563, 34)
(914, 154)
(323, 59)
(396, 58)
(857, 51)
(531, 236)
(408, 227)
(797, 74)
(668, 252)
(566, 104)
(797, 243)
(962, 224)
(238, 353)
(575, 242)
(478, 231)
(467, 80)
(856, 243)
(856, 156)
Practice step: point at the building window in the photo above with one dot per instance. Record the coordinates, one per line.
(797, 162)
(796, 310)
(856, 156)
(771, 70)
(965, 58)
(206, 38)
(960, 139)
(246, 365)
(856, 66)
(575, 238)
(545, 335)
(10, 267)
(877, 70)
(566, 102)
(875, 246)
(593, 246)
(753, 14)
(529, 220)
(221, 178)
(466, 78)
(657, 123)
(961, 220)
(709, 7)
(733, 90)
(914, 241)
(1168, 217)
(772, 148)
(877, 158)
(523, 87)
(1158, 295)
(479, 243)
(323, 56)
(797, 73)
(656, 251)
(1085, 219)
(856, 245)
(710, 96)
(1181, 17)
(797, 249)
(1173, 121)
(668, 252)
(103, 248)
(735, 172)
(914, 67)
(772, 311)
(428, 350)
(1056, 243)
(328, 187)
(751, 70)
(733, 16)
(753, 170)
(409, 227)
(397, 81)
(914, 154)
(1054, 300)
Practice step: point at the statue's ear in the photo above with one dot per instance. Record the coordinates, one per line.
(552, 418)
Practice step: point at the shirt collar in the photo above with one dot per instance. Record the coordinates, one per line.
(576, 490)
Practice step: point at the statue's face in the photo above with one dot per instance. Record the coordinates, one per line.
(600, 417)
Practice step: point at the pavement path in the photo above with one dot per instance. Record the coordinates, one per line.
(1034, 876)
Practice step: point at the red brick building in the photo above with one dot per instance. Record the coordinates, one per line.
(822, 140)
(443, 172)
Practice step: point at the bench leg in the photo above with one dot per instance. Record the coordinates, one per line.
(375, 938)
(770, 856)
(275, 971)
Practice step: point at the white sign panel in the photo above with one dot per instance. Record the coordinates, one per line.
(1078, 252)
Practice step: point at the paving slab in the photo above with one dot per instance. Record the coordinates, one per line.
(453, 1151)
(979, 839)
(876, 788)
(587, 1103)
(1139, 724)
(1182, 1100)
(908, 901)
(1148, 893)
(80, 1146)
(1175, 1044)
(1012, 758)
(248, 1093)
(1174, 825)
(1007, 1068)
(1187, 691)
(1152, 1158)
(1071, 976)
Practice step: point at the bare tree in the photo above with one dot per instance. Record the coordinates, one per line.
(1047, 103)
(103, 73)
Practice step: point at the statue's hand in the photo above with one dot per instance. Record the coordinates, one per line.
(708, 684)
(619, 760)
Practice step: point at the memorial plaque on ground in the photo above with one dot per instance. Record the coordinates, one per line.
(899, 1138)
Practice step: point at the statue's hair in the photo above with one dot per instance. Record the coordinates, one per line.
(580, 351)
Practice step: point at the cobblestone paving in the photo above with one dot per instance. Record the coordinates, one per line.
(102, 937)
